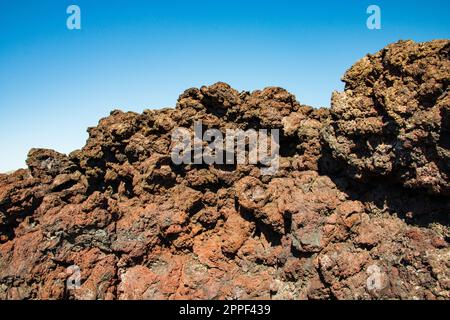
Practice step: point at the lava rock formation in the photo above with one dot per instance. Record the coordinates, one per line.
(359, 208)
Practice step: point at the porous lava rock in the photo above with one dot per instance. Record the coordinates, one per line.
(358, 209)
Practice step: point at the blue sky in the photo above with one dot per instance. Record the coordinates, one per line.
(134, 55)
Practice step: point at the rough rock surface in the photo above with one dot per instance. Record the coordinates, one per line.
(359, 208)
(393, 118)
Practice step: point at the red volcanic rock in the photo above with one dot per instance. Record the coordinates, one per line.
(358, 208)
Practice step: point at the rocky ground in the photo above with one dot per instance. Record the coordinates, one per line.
(359, 208)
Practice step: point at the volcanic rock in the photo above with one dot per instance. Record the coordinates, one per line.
(358, 209)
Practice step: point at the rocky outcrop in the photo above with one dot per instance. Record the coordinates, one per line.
(392, 120)
(358, 208)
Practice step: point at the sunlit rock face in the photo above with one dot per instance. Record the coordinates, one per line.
(358, 208)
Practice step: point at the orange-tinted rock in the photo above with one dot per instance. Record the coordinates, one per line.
(357, 210)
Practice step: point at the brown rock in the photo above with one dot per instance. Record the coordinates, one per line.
(344, 217)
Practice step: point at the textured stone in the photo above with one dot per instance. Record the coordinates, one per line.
(357, 210)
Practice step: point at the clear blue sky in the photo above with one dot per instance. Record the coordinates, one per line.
(134, 55)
